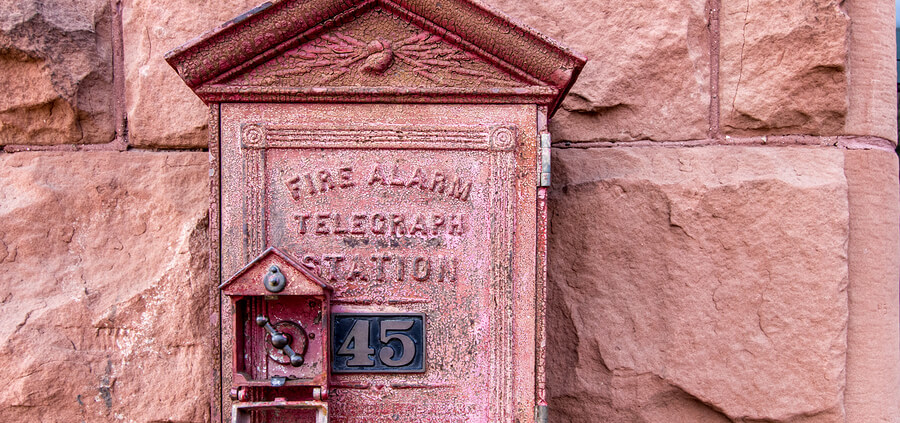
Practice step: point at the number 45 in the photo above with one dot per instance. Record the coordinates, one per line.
(357, 344)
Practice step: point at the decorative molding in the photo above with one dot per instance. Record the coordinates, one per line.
(278, 26)
(376, 48)
(254, 168)
(499, 141)
(503, 138)
(496, 139)
(380, 301)
(408, 95)
(501, 287)
(253, 136)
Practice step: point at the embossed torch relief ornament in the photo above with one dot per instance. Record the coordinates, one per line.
(379, 180)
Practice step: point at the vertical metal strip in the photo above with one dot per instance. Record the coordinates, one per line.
(509, 175)
(541, 410)
(502, 273)
(541, 300)
(263, 202)
(253, 174)
(215, 260)
(495, 378)
(253, 146)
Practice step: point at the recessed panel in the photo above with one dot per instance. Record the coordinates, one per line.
(416, 216)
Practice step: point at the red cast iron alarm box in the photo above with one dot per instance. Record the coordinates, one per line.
(378, 210)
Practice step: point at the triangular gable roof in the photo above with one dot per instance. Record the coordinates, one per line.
(525, 67)
(293, 263)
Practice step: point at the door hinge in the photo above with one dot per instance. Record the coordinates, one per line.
(544, 179)
(540, 414)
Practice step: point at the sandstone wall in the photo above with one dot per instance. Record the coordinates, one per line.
(724, 218)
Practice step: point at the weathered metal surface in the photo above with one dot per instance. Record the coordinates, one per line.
(404, 51)
(405, 190)
(215, 297)
(278, 338)
(403, 209)
(289, 340)
(274, 280)
(377, 49)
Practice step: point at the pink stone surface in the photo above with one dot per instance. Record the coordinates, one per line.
(873, 70)
(162, 111)
(103, 287)
(783, 67)
(56, 60)
(873, 336)
(647, 75)
(701, 284)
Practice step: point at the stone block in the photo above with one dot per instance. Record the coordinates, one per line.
(783, 67)
(873, 70)
(162, 110)
(873, 333)
(103, 287)
(56, 65)
(703, 284)
(647, 75)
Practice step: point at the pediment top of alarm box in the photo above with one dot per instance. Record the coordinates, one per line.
(376, 51)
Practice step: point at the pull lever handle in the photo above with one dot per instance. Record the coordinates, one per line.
(280, 340)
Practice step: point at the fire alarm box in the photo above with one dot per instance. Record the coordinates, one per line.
(279, 326)
(379, 175)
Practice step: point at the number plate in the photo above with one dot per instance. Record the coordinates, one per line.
(378, 343)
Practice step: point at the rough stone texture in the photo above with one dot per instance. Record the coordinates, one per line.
(103, 287)
(162, 110)
(783, 67)
(687, 285)
(647, 75)
(56, 72)
(873, 335)
(703, 284)
(873, 71)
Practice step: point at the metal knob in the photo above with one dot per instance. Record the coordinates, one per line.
(274, 279)
(280, 340)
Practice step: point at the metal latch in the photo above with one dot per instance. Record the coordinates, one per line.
(544, 180)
